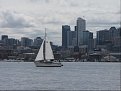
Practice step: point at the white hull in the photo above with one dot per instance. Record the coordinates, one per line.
(47, 64)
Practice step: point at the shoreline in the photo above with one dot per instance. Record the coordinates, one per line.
(63, 61)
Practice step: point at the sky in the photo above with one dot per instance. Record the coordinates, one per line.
(29, 18)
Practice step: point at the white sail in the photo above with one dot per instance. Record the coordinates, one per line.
(45, 55)
(40, 55)
(48, 51)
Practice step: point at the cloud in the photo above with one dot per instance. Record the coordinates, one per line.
(104, 19)
(15, 20)
(51, 20)
(32, 16)
(42, 1)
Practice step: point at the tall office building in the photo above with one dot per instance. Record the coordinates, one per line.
(4, 39)
(109, 38)
(81, 26)
(65, 29)
(12, 42)
(75, 28)
(102, 37)
(88, 39)
(80, 38)
(115, 38)
(112, 33)
(119, 29)
(71, 38)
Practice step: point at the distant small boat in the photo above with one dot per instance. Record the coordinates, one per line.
(45, 57)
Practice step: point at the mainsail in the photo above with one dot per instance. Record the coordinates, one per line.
(45, 52)
(48, 50)
(40, 55)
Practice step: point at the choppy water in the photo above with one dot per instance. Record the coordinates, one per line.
(72, 76)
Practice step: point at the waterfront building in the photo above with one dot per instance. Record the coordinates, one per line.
(65, 29)
(4, 53)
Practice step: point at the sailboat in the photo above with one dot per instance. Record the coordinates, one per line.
(45, 57)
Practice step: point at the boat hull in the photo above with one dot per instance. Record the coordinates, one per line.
(47, 64)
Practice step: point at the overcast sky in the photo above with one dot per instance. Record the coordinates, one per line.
(29, 18)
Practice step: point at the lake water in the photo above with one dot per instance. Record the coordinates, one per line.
(72, 76)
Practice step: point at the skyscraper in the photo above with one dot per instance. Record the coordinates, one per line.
(65, 29)
(112, 33)
(71, 38)
(5, 39)
(81, 26)
(87, 36)
(88, 39)
(115, 38)
(102, 37)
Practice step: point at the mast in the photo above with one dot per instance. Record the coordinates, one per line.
(44, 50)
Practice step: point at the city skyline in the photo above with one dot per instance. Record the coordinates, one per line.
(27, 18)
(69, 37)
